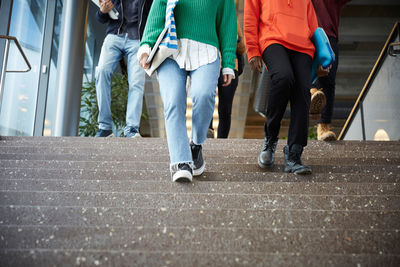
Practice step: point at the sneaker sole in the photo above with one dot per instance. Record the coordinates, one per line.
(318, 102)
(182, 176)
(135, 136)
(199, 171)
(108, 136)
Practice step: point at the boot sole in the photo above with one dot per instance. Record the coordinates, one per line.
(303, 172)
(299, 172)
(328, 137)
(318, 102)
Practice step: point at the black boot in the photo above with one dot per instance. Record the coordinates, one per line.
(266, 157)
(292, 160)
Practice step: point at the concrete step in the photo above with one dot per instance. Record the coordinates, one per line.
(128, 257)
(216, 156)
(226, 176)
(206, 200)
(200, 218)
(224, 239)
(212, 187)
(328, 167)
(134, 152)
(160, 144)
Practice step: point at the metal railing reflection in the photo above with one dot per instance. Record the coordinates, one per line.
(8, 39)
(5, 59)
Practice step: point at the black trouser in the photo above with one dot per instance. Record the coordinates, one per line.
(225, 98)
(328, 83)
(290, 73)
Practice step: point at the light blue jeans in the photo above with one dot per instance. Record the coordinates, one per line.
(113, 49)
(203, 86)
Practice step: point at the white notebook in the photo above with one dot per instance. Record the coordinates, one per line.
(156, 45)
(113, 13)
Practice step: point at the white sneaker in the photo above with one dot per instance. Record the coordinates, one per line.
(183, 174)
(131, 133)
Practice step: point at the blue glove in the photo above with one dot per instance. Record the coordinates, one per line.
(324, 54)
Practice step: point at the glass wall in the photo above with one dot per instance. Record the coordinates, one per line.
(20, 91)
(52, 86)
(378, 115)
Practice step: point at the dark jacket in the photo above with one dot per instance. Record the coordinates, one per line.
(115, 25)
(328, 14)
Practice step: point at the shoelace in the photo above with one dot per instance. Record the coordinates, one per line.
(181, 165)
(295, 157)
(175, 167)
(269, 145)
(131, 130)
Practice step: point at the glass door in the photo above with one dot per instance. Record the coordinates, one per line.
(20, 92)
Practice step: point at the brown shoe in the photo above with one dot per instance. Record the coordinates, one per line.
(324, 132)
(318, 101)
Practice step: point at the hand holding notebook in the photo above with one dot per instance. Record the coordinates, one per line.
(324, 55)
(113, 13)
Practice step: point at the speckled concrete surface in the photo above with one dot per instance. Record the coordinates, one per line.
(109, 202)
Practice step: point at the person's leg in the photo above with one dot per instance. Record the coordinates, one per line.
(110, 55)
(328, 84)
(225, 98)
(172, 82)
(300, 99)
(136, 79)
(299, 109)
(328, 87)
(277, 59)
(202, 91)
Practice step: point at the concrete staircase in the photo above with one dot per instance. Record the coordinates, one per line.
(95, 202)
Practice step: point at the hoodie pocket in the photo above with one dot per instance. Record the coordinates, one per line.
(293, 29)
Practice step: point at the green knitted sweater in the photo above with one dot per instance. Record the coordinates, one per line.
(207, 21)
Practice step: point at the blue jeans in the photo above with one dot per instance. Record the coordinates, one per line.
(172, 82)
(113, 49)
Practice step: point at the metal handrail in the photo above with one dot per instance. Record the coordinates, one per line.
(8, 38)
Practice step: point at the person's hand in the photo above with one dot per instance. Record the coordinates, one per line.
(106, 6)
(227, 79)
(321, 72)
(142, 61)
(256, 63)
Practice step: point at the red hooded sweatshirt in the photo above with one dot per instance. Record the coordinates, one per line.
(290, 23)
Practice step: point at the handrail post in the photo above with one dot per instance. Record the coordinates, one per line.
(3, 70)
